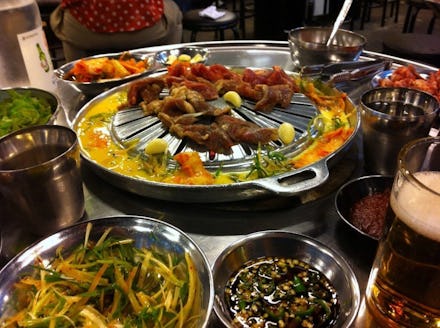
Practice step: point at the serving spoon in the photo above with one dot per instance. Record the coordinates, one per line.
(339, 20)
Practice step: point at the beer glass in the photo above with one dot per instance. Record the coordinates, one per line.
(404, 285)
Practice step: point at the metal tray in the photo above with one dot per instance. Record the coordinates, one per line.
(131, 123)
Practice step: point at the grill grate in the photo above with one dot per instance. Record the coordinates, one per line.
(132, 124)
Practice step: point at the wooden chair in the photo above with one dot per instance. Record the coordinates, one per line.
(413, 9)
(245, 9)
(193, 22)
(435, 6)
(331, 10)
(368, 5)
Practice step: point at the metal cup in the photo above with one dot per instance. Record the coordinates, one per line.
(40, 179)
(392, 117)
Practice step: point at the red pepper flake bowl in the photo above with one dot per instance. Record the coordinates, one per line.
(362, 204)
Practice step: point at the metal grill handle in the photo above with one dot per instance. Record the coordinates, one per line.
(311, 177)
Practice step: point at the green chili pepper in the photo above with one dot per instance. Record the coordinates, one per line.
(324, 306)
(276, 314)
(242, 304)
(298, 285)
(304, 313)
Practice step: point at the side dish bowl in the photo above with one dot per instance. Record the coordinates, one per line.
(308, 46)
(353, 191)
(23, 101)
(192, 54)
(146, 232)
(288, 245)
(96, 87)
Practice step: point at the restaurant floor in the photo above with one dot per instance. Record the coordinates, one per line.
(372, 30)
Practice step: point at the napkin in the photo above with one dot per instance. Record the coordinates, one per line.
(211, 12)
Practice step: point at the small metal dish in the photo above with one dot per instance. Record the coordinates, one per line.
(289, 245)
(163, 57)
(92, 89)
(146, 232)
(51, 98)
(354, 190)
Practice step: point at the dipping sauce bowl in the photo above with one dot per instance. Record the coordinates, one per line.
(348, 197)
(283, 244)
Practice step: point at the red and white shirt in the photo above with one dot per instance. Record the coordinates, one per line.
(109, 16)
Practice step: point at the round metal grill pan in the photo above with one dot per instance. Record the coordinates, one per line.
(131, 124)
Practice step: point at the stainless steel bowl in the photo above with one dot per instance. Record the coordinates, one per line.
(92, 89)
(163, 57)
(353, 191)
(292, 245)
(146, 232)
(51, 98)
(392, 117)
(308, 46)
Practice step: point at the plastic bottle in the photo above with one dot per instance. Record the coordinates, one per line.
(24, 54)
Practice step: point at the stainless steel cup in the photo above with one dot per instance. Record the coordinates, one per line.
(392, 117)
(40, 178)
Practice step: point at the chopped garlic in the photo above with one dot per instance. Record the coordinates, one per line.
(156, 146)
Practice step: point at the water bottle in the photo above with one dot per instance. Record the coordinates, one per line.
(24, 54)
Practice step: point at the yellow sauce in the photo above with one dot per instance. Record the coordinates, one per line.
(96, 142)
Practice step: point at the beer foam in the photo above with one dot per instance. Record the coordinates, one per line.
(420, 210)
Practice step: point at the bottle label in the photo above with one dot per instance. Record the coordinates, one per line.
(36, 58)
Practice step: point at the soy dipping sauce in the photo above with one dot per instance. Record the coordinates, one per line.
(281, 292)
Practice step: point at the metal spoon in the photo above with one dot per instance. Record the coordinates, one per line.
(339, 20)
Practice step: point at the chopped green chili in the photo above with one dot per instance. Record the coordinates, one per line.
(22, 109)
(276, 291)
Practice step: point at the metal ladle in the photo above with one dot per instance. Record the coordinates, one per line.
(339, 20)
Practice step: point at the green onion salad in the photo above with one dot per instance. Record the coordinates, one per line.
(108, 283)
(21, 110)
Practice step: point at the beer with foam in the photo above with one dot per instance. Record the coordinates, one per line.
(404, 285)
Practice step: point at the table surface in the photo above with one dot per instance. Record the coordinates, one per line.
(214, 226)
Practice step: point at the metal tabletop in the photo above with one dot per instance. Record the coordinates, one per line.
(214, 226)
